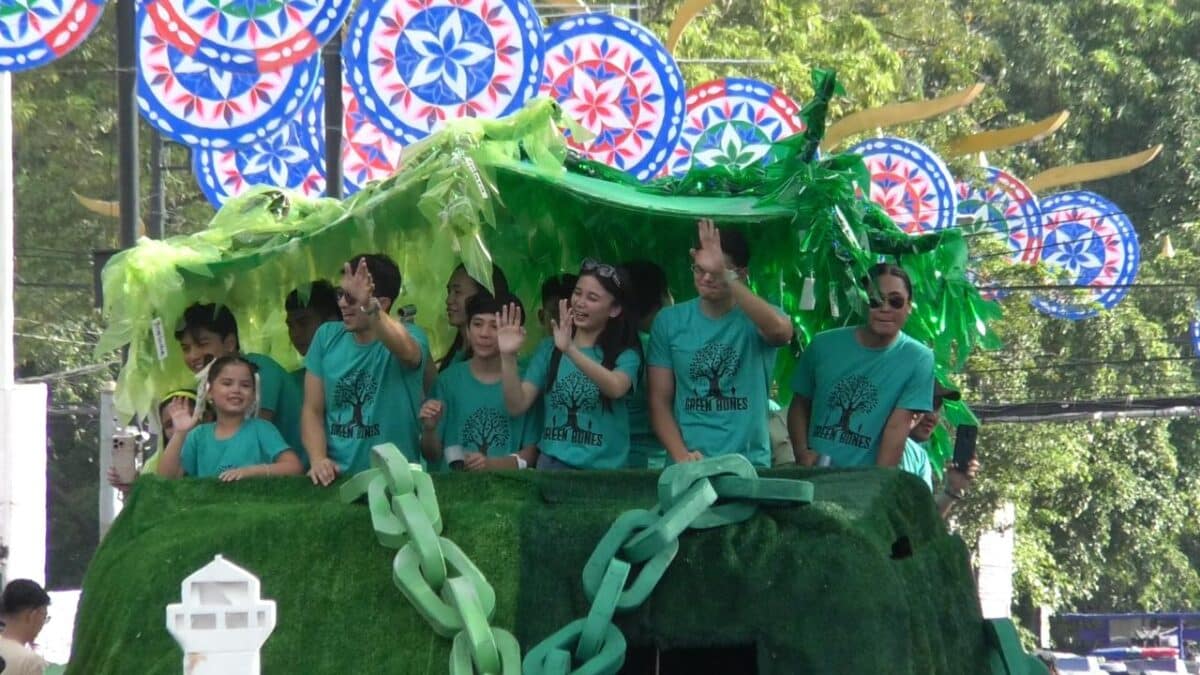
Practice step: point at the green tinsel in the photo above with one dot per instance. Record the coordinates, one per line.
(511, 186)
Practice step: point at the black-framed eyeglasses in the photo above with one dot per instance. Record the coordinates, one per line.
(600, 269)
(893, 301)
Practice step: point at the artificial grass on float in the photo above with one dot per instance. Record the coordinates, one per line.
(866, 579)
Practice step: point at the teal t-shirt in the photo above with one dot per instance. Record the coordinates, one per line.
(576, 429)
(370, 397)
(915, 460)
(854, 389)
(474, 415)
(283, 398)
(645, 450)
(722, 371)
(257, 441)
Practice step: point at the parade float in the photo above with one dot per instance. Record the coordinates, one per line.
(469, 133)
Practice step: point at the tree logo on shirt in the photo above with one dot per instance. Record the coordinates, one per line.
(355, 391)
(484, 429)
(570, 395)
(715, 365)
(852, 395)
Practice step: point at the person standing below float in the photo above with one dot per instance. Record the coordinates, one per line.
(711, 358)
(857, 388)
(465, 421)
(24, 611)
(645, 451)
(586, 373)
(956, 480)
(365, 380)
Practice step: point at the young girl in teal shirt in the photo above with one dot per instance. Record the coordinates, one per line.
(233, 447)
(584, 375)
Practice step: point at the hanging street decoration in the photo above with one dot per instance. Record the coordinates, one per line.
(247, 35)
(36, 32)
(732, 122)
(283, 160)
(368, 154)
(619, 82)
(1003, 204)
(1089, 238)
(206, 107)
(911, 183)
(413, 64)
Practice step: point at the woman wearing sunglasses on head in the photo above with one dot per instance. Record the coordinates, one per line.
(584, 374)
(856, 388)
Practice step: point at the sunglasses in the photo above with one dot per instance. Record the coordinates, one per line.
(893, 301)
(600, 269)
(343, 294)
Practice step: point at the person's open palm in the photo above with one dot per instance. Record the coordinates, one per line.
(510, 334)
(359, 283)
(179, 410)
(710, 257)
(564, 326)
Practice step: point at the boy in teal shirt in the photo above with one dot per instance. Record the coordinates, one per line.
(709, 358)
(365, 380)
(650, 281)
(208, 332)
(466, 412)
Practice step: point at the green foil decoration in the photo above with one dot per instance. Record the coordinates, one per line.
(512, 189)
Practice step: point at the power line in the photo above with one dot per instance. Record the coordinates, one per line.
(48, 338)
(69, 373)
(1080, 364)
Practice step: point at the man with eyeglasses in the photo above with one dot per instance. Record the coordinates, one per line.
(710, 359)
(857, 388)
(366, 375)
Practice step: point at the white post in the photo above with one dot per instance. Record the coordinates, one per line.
(22, 406)
(222, 621)
(996, 564)
(110, 499)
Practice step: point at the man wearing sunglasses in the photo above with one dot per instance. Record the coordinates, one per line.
(710, 359)
(857, 388)
(366, 375)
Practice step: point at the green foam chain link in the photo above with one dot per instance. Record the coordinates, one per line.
(442, 583)
(689, 496)
(627, 525)
(479, 637)
(665, 532)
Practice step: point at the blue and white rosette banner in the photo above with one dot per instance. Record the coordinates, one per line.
(413, 64)
(618, 80)
(911, 183)
(1089, 238)
(206, 107)
(283, 160)
(368, 154)
(36, 32)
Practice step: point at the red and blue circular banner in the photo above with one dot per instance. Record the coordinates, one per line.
(617, 80)
(1095, 244)
(368, 154)
(1003, 204)
(248, 35)
(413, 64)
(206, 107)
(732, 122)
(911, 183)
(282, 160)
(36, 32)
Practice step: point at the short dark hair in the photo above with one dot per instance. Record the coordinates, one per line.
(322, 299)
(558, 287)
(649, 283)
(735, 245)
(228, 360)
(486, 303)
(21, 595)
(885, 269)
(215, 318)
(384, 273)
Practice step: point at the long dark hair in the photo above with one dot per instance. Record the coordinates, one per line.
(620, 332)
(500, 284)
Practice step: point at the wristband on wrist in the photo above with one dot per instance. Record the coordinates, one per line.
(731, 275)
(954, 495)
(521, 463)
(371, 308)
